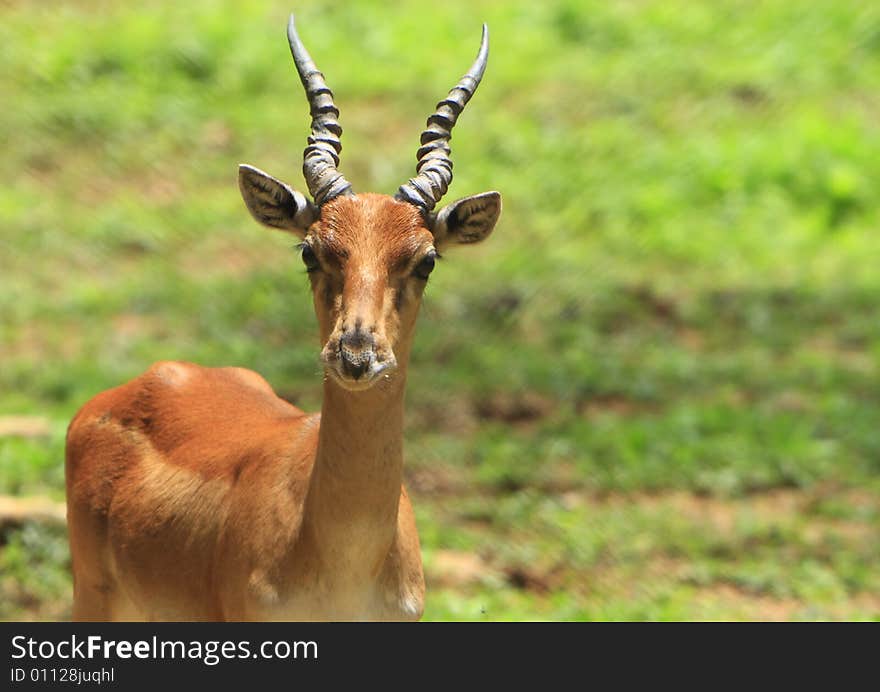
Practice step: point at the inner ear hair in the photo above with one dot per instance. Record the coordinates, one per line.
(467, 220)
(274, 203)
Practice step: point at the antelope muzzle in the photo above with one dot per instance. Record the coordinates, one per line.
(357, 360)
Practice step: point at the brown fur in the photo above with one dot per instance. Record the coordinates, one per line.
(197, 494)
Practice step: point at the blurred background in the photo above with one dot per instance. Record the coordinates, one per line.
(653, 393)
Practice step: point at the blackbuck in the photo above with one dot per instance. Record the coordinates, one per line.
(196, 493)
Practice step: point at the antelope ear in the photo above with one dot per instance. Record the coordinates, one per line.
(467, 220)
(274, 203)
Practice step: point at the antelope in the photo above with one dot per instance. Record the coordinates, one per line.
(197, 493)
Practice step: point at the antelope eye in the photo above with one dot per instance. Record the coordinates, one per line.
(426, 266)
(309, 259)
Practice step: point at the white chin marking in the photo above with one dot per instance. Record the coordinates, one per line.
(381, 372)
(354, 385)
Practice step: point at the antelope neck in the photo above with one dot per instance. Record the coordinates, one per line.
(354, 491)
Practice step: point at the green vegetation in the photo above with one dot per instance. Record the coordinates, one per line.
(654, 393)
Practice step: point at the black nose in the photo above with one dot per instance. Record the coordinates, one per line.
(354, 370)
(356, 350)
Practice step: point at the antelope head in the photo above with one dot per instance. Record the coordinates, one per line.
(369, 256)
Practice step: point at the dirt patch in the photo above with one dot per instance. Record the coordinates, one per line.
(539, 581)
(130, 326)
(515, 409)
(722, 514)
(15, 511)
(855, 360)
(792, 401)
(662, 308)
(692, 339)
(615, 404)
(452, 416)
(25, 426)
(749, 94)
(727, 598)
(440, 480)
(781, 500)
(455, 568)
(866, 604)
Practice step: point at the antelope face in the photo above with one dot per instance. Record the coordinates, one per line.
(369, 256)
(368, 259)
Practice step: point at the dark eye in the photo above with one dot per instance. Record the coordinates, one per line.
(309, 259)
(426, 266)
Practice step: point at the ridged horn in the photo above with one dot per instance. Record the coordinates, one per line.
(321, 156)
(434, 167)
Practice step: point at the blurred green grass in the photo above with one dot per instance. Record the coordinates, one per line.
(652, 394)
